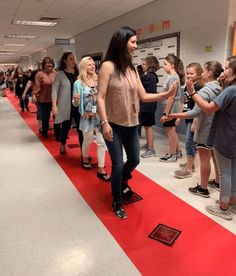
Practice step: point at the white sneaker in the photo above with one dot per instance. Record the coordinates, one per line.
(231, 206)
(149, 153)
(184, 165)
(183, 173)
(217, 211)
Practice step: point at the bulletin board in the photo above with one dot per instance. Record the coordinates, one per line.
(97, 57)
(160, 47)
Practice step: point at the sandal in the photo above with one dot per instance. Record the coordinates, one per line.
(86, 166)
(104, 176)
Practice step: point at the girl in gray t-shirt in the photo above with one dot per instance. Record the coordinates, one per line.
(174, 67)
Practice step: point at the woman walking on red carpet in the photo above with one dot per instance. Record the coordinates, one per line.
(119, 92)
(42, 92)
(86, 88)
(62, 94)
(21, 80)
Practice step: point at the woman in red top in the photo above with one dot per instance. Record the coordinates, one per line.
(42, 92)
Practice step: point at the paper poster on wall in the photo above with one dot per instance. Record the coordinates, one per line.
(160, 47)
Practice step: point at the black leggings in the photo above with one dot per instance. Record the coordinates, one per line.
(24, 103)
(61, 130)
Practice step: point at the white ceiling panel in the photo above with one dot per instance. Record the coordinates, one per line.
(76, 16)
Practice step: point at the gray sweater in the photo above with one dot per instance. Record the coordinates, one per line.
(61, 91)
(204, 121)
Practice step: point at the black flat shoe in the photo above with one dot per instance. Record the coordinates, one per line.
(126, 192)
(104, 176)
(119, 210)
(86, 166)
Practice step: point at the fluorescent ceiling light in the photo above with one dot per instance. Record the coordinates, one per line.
(34, 23)
(21, 36)
(14, 44)
(6, 53)
(8, 64)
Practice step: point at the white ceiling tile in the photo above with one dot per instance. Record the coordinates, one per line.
(76, 16)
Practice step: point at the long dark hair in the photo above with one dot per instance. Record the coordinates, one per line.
(117, 51)
(178, 66)
(62, 64)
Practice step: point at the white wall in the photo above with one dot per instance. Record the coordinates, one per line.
(201, 23)
(55, 52)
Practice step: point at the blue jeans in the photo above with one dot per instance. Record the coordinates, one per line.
(189, 143)
(128, 138)
(227, 172)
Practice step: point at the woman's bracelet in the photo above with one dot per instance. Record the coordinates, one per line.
(104, 122)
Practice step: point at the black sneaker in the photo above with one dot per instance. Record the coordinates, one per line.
(169, 158)
(126, 191)
(213, 184)
(198, 190)
(119, 210)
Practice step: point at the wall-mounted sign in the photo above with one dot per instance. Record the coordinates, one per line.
(208, 48)
(154, 27)
(62, 41)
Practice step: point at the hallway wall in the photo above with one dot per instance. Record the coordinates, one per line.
(202, 26)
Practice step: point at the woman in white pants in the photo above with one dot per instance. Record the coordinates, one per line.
(85, 95)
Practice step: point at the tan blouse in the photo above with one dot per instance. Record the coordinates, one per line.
(122, 102)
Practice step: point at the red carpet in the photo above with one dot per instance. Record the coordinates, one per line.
(203, 248)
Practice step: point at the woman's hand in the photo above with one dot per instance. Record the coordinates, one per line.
(107, 132)
(23, 96)
(76, 99)
(54, 110)
(34, 99)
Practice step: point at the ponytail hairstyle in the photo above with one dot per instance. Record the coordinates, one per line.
(232, 66)
(215, 68)
(178, 66)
